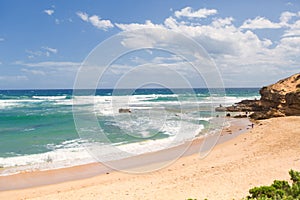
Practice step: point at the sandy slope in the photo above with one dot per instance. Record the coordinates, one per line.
(257, 157)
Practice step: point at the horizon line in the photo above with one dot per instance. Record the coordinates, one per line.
(125, 88)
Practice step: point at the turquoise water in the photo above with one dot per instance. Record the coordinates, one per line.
(37, 123)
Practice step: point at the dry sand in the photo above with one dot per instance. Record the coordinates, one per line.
(257, 157)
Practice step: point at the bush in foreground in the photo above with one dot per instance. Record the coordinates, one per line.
(279, 190)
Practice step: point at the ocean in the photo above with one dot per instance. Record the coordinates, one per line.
(38, 130)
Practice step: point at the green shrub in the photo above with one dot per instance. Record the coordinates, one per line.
(279, 190)
(295, 176)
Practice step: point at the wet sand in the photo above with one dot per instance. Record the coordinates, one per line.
(257, 157)
(136, 164)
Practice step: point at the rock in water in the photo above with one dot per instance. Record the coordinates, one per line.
(124, 110)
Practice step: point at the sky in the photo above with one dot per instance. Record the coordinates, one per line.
(44, 43)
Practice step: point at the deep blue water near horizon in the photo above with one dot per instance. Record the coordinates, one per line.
(107, 92)
(40, 121)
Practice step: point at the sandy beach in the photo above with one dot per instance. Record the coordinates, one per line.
(254, 158)
(149, 100)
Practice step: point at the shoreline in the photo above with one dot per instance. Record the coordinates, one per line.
(257, 157)
(163, 158)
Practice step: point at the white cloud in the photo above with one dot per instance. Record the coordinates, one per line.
(243, 57)
(49, 49)
(142, 40)
(136, 26)
(156, 70)
(46, 75)
(286, 16)
(95, 21)
(163, 60)
(238, 51)
(145, 35)
(49, 68)
(171, 23)
(44, 51)
(201, 13)
(99, 23)
(34, 72)
(49, 12)
(259, 23)
(222, 22)
(49, 64)
(13, 78)
(289, 47)
(294, 30)
(83, 16)
(33, 54)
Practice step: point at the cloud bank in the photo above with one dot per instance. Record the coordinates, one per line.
(244, 57)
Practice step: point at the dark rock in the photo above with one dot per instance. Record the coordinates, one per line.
(240, 116)
(220, 109)
(124, 110)
(292, 103)
(266, 115)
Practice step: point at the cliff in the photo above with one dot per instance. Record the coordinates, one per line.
(283, 96)
(277, 100)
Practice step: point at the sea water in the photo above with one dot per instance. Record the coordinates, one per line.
(38, 131)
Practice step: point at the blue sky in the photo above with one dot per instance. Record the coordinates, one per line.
(43, 43)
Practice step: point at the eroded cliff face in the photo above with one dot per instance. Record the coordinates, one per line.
(277, 100)
(283, 96)
(292, 103)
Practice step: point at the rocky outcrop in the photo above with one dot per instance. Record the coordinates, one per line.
(277, 100)
(283, 97)
(246, 106)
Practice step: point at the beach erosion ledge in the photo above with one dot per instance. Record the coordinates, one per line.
(277, 100)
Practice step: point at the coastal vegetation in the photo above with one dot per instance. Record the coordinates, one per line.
(278, 190)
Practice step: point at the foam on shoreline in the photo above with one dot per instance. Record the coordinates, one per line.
(90, 169)
(74, 154)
